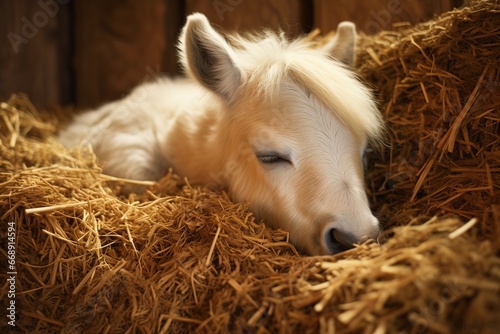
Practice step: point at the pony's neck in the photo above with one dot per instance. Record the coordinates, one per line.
(197, 143)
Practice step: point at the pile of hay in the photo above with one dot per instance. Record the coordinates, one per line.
(181, 259)
(440, 87)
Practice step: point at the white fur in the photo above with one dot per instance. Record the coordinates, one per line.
(244, 97)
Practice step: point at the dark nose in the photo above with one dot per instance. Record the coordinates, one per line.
(338, 241)
(345, 239)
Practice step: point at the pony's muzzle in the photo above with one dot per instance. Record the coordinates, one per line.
(337, 240)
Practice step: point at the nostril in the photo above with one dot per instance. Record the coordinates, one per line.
(336, 241)
(343, 238)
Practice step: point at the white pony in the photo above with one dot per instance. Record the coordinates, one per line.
(280, 124)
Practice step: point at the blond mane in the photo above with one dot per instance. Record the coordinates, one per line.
(268, 59)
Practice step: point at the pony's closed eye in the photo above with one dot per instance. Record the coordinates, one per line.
(273, 158)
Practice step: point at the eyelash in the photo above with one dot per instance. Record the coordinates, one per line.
(271, 159)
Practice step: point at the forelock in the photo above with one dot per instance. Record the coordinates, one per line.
(269, 59)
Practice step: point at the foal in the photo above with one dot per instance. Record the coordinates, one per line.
(280, 124)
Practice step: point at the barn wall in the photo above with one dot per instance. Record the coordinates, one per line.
(85, 52)
(116, 47)
(35, 51)
(291, 16)
(377, 15)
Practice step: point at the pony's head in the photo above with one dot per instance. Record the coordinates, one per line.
(296, 124)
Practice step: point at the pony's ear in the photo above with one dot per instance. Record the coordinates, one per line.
(207, 56)
(342, 45)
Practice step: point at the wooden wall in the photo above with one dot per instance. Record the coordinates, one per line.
(35, 51)
(85, 52)
(379, 15)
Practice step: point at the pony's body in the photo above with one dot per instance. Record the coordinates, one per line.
(161, 124)
(278, 123)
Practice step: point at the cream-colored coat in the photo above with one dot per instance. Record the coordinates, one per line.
(280, 124)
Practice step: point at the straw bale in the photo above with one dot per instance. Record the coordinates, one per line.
(439, 83)
(183, 259)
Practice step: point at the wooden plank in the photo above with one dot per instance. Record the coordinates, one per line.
(291, 16)
(35, 51)
(119, 44)
(174, 18)
(375, 15)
